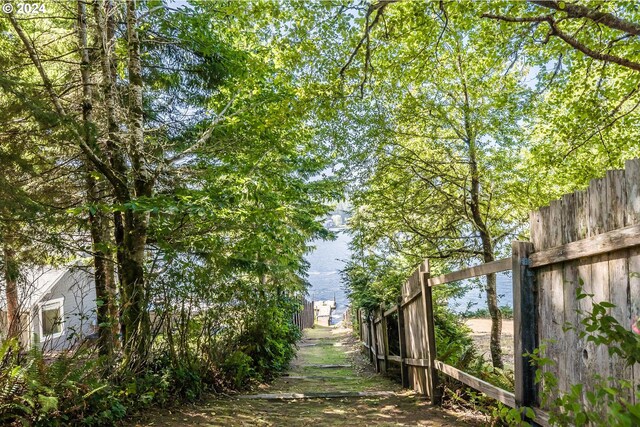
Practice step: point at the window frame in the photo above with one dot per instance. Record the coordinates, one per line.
(45, 305)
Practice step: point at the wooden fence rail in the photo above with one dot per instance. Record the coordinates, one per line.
(588, 239)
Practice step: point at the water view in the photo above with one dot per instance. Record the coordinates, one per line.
(326, 261)
(329, 258)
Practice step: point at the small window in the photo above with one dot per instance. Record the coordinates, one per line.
(51, 318)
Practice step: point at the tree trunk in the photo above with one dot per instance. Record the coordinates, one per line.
(488, 256)
(105, 24)
(11, 275)
(102, 263)
(135, 293)
(481, 226)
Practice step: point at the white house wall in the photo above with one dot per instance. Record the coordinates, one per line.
(77, 290)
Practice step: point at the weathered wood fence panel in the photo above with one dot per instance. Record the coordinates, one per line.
(304, 318)
(588, 240)
(415, 333)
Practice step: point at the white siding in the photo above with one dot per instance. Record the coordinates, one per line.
(77, 289)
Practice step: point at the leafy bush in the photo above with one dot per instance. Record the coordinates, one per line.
(269, 340)
(238, 368)
(80, 388)
(40, 393)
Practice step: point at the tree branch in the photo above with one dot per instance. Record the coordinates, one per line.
(100, 165)
(574, 10)
(378, 8)
(571, 41)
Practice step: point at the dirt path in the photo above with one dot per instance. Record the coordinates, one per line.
(384, 402)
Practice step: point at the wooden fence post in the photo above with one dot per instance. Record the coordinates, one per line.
(375, 342)
(370, 337)
(385, 339)
(524, 318)
(433, 386)
(404, 368)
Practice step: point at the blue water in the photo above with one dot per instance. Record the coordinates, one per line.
(329, 258)
(324, 273)
(475, 298)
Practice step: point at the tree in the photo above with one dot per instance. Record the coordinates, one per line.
(584, 115)
(440, 185)
(600, 30)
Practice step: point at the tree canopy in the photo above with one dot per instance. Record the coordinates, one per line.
(189, 150)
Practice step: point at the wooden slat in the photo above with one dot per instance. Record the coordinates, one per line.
(572, 370)
(618, 271)
(408, 300)
(427, 303)
(545, 301)
(370, 338)
(542, 418)
(396, 359)
(632, 216)
(416, 362)
(586, 348)
(554, 319)
(634, 303)
(599, 216)
(490, 390)
(391, 311)
(404, 369)
(374, 344)
(581, 219)
(535, 229)
(632, 178)
(623, 238)
(468, 273)
(385, 340)
(619, 293)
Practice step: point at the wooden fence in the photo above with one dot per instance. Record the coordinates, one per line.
(304, 318)
(588, 238)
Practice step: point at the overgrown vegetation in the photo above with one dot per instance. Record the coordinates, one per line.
(170, 151)
(186, 151)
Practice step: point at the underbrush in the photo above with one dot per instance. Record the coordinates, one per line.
(610, 401)
(79, 388)
(456, 348)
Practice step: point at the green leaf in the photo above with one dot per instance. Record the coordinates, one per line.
(48, 403)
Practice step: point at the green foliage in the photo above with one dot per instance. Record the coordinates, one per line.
(507, 313)
(269, 340)
(37, 392)
(601, 328)
(238, 367)
(461, 125)
(609, 402)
